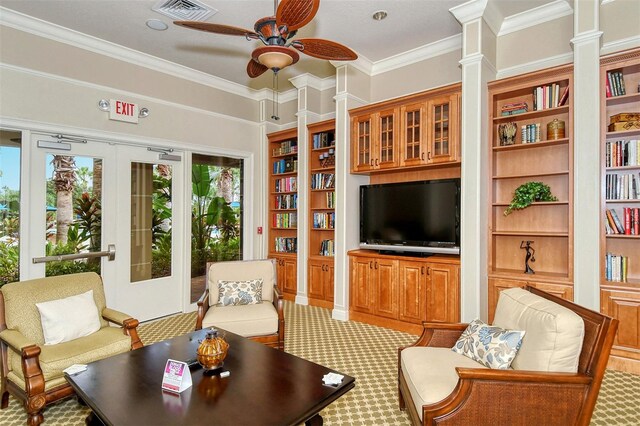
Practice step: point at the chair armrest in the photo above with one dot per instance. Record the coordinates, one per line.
(203, 307)
(522, 376)
(278, 301)
(440, 335)
(15, 340)
(114, 316)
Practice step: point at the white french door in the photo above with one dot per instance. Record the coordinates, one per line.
(110, 208)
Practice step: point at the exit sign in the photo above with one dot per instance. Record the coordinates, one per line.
(123, 111)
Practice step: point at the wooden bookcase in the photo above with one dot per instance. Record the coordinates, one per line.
(548, 224)
(283, 210)
(620, 298)
(322, 174)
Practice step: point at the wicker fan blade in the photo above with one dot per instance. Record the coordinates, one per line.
(296, 13)
(216, 28)
(255, 69)
(324, 49)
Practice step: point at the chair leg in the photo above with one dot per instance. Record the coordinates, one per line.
(34, 406)
(5, 399)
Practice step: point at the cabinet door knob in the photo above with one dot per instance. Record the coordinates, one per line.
(371, 162)
(429, 155)
(371, 264)
(376, 161)
(422, 270)
(428, 270)
(423, 156)
(376, 264)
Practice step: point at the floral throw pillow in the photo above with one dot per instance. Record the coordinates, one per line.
(232, 293)
(491, 346)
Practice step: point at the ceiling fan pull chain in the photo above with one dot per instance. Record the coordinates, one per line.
(274, 106)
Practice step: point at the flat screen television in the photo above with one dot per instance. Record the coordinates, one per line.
(422, 217)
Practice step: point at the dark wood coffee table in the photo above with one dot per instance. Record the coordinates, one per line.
(266, 387)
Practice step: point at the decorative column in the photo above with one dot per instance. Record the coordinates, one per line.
(478, 57)
(586, 166)
(347, 192)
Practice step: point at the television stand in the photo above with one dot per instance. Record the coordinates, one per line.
(405, 253)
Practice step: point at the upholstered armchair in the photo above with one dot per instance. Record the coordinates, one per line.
(554, 378)
(219, 306)
(32, 365)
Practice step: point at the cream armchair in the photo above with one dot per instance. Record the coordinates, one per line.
(33, 371)
(262, 322)
(554, 379)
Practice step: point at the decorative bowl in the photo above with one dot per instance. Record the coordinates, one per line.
(212, 351)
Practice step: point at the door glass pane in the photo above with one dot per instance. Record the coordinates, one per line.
(216, 215)
(74, 212)
(9, 206)
(151, 216)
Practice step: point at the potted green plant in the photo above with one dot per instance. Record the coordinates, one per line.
(527, 193)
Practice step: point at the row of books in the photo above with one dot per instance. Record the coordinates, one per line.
(622, 153)
(287, 147)
(530, 133)
(331, 200)
(615, 84)
(327, 248)
(629, 225)
(616, 267)
(322, 180)
(288, 201)
(323, 140)
(324, 220)
(514, 108)
(622, 186)
(549, 96)
(285, 220)
(289, 184)
(285, 166)
(286, 244)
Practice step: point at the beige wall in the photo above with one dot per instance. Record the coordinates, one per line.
(620, 20)
(535, 43)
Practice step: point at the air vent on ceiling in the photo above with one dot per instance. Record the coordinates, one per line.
(184, 10)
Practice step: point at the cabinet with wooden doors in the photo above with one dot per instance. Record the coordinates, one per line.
(283, 207)
(531, 135)
(620, 203)
(321, 202)
(401, 292)
(415, 131)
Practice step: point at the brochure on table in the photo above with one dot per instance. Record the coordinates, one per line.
(177, 376)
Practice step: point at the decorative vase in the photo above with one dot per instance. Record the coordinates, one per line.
(212, 351)
(555, 129)
(507, 133)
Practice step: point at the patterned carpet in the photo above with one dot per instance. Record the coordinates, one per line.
(366, 352)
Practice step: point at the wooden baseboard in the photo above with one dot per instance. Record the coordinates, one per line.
(624, 364)
(321, 303)
(289, 296)
(386, 322)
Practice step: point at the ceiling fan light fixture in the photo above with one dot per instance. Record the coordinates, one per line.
(379, 15)
(275, 57)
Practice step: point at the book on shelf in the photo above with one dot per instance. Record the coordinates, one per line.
(287, 165)
(323, 140)
(288, 184)
(324, 220)
(627, 224)
(286, 244)
(327, 248)
(285, 220)
(616, 267)
(530, 133)
(622, 186)
(322, 180)
(287, 201)
(548, 96)
(564, 97)
(622, 153)
(331, 199)
(615, 80)
(284, 148)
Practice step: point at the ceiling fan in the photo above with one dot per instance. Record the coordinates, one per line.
(276, 33)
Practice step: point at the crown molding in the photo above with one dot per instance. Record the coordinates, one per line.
(478, 58)
(536, 16)
(283, 97)
(493, 17)
(119, 92)
(61, 34)
(362, 64)
(603, 2)
(422, 53)
(310, 80)
(469, 11)
(563, 58)
(620, 45)
(586, 36)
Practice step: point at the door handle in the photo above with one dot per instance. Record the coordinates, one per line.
(376, 161)
(422, 270)
(423, 156)
(428, 270)
(371, 264)
(110, 254)
(376, 265)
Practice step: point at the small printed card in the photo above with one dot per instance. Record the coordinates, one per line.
(177, 376)
(332, 379)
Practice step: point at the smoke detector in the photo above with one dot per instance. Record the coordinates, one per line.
(184, 10)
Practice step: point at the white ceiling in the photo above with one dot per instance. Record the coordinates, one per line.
(410, 24)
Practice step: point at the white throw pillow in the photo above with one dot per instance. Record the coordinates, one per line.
(69, 318)
(491, 346)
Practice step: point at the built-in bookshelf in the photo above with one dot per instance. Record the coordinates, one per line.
(620, 206)
(283, 208)
(322, 216)
(531, 134)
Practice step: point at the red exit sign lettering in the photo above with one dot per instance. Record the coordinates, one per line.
(123, 111)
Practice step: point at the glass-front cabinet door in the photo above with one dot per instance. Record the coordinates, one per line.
(443, 128)
(363, 155)
(387, 138)
(414, 149)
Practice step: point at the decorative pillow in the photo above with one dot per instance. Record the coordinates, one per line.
(239, 292)
(491, 346)
(69, 318)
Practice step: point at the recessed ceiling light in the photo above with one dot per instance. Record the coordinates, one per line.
(156, 24)
(379, 15)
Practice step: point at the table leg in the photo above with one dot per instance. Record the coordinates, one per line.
(314, 421)
(93, 420)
